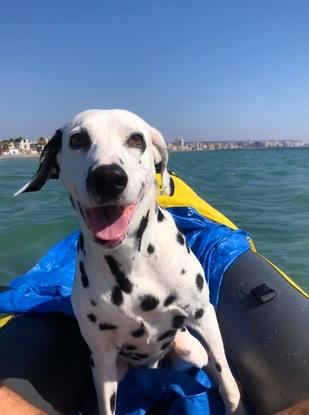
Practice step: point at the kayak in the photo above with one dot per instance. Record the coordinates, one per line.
(263, 316)
(262, 313)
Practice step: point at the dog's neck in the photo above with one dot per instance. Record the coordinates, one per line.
(146, 213)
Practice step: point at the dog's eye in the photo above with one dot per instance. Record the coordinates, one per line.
(80, 140)
(137, 140)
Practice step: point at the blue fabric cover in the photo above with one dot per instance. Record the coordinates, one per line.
(47, 288)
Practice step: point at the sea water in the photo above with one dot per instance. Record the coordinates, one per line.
(265, 192)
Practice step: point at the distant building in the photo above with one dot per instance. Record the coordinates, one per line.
(179, 143)
(12, 151)
(24, 146)
(41, 143)
(34, 149)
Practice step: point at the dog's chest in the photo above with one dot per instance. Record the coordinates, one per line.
(138, 301)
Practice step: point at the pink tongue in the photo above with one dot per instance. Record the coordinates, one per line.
(110, 223)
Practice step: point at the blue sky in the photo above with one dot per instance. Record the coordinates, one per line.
(216, 70)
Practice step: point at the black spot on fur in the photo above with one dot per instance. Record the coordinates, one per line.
(117, 296)
(170, 299)
(91, 362)
(123, 353)
(106, 326)
(161, 216)
(149, 302)
(80, 243)
(178, 321)
(141, 229)
(83, 275)
(199, 282)
(113, 401)
(183, 329)
(121, 279)
(141, 355)
(82, 213)
(133, 357)
(99, 241)
(92, 317)
(72, 202)
(188, 248)
(183, 271)
(150, 249)
(165, 345)
(93, 302)
(130, 347)
(121, 161)
(180, 238)
(168, 333)
(199, 313)
(139, 332)
(218, 367)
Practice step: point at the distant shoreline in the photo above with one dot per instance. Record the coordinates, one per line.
(191, 150)
(182, 145)
(18, 156)
(236, 149)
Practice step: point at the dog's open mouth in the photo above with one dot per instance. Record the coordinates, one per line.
(109, 224)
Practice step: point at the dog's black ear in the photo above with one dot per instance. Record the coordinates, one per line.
(48, 168)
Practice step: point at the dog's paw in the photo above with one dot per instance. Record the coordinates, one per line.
(187, 351)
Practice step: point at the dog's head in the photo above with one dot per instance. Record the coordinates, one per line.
(107, 161)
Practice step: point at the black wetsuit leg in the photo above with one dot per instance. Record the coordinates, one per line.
(45, 360)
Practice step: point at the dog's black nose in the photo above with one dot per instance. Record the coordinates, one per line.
(107, 182)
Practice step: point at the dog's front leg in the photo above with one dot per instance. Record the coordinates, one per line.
(208, 328)
(104, 370)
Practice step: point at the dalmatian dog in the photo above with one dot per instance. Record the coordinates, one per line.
(138, 285)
